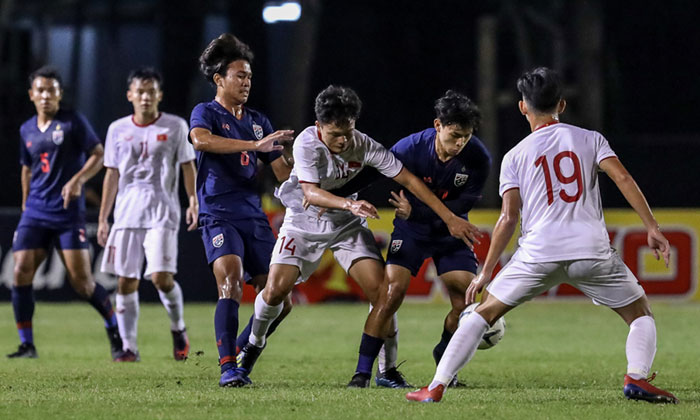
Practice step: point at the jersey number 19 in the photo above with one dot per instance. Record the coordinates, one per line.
(574, 177)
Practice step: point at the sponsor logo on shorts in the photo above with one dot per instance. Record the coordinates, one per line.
(258, 131)
(81, 235)
(461, 179)
(218, 240)
(396, 245)
(225, 126)
(57, 137)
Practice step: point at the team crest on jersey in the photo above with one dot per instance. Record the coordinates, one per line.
(395, 245)
(218, 240)
(258, 131)
(57, 137)
(461, 179)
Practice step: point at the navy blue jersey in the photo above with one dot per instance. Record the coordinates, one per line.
(226, 186)
(457, 182)
(54, 156)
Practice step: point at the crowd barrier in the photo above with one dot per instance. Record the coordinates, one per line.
(329, 283)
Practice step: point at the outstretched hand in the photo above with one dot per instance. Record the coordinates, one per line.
(272, 141)
(403, 206)
(476, 286)
(659, 245)
(462, 229)
(362, 208)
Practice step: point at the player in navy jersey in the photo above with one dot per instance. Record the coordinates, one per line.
(454, 164)
(229, 139)
(59, 152)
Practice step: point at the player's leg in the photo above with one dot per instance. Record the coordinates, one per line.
(160, 247)
(127, 311)
(611, 283)
(77, 262)
(26, 262)
(123, 257)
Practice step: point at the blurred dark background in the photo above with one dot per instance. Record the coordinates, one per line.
(630, 69)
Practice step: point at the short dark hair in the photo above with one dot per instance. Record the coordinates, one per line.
(541, 88)
(145, 73)
(337, 104)
(221, 52)
(48, 72)
(456, 108)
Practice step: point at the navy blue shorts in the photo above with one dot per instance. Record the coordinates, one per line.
(39, 234)
(448, 253)
(252, 240)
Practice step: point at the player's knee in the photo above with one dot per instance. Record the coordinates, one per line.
(163, 281)
(230, 288)
(274, 294)
(84, 286)
(23, 273)
(127, 286)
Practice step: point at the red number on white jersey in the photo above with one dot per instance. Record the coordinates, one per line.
(288, 246)
(575, 176)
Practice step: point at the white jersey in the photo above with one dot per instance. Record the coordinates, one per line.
(315, 163)
(556, 169)
(148, 159)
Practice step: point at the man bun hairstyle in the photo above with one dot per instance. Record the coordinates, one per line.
(456, 108)
(145, 73)
(221, 52)
(48, 72)
(541, 88)
(337, 104)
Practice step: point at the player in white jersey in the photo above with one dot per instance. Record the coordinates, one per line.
(143, 156)
(551, 179)
(326, 156)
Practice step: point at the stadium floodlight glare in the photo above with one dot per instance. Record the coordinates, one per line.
(289, 11)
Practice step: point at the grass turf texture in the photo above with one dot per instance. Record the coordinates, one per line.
(557, 360)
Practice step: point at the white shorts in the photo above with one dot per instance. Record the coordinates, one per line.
(301, 243)
(126, 249)
(608, 282)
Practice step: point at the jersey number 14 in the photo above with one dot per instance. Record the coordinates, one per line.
(574, 177)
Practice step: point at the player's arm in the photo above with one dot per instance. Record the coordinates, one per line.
(282, 167)
(458, 227)
(204, 141)
(634, 196)
(502, 233)
(110, 186)
(189, 175)
(317, 196)
(26, 176)
(74, 186)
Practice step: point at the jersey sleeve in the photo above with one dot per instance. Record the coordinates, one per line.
(509, 178)
(305, 160)
(200, 118)
(404, 150)
(603, 149)
(268, 157)
(87, 139)
(185, 151)
(380, 158)
(25, 159)
(110, 157)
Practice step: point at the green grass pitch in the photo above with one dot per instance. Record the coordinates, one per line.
(557, 360)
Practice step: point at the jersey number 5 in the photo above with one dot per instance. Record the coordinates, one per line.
(45, 165)
(574, 177)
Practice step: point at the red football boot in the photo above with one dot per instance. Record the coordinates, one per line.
(423, 395)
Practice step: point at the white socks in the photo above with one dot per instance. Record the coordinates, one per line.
(264, 316)
(174, 306)
(641, 347)
(460, 350)
(390, 350)
(127, 311)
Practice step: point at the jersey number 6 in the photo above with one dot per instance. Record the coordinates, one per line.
(576, 176)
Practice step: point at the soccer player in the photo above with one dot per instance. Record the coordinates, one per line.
(229, 138)
(326, 156)
(454, 164)
(143, 155)
(551, 179)
(59, 152)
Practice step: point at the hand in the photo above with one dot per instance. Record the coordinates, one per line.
(361, 208)
(102, 233)
(403, 207)
(71, 191)
(462, 229)
(191, 215)
(659, 244)
(267, 144)
(305, 203)
(477, 285)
